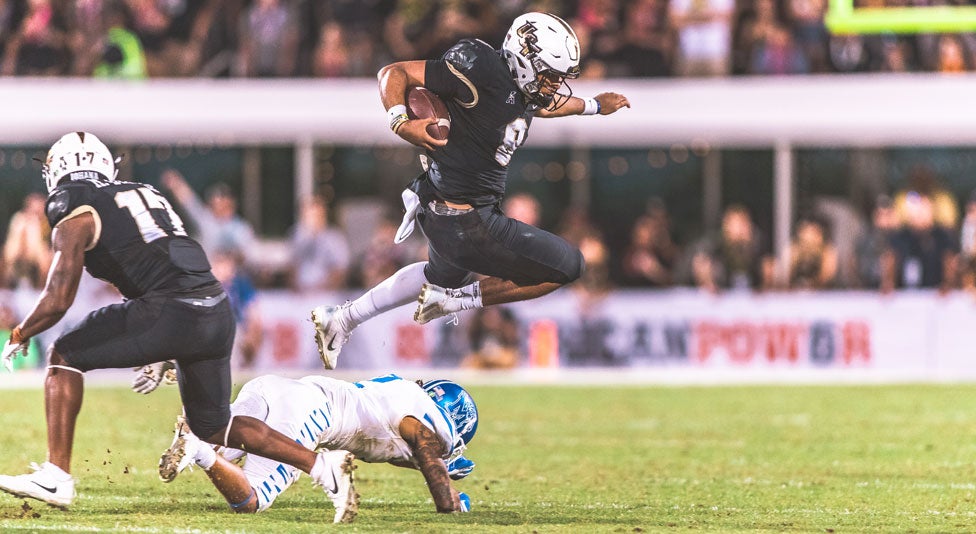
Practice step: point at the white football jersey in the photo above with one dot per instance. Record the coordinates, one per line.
(362, 418)
(367, 414)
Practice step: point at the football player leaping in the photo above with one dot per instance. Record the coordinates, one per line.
(127, 234)
(492, 96)
(386, 419)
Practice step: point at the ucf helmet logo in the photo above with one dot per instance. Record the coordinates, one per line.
(526, 33)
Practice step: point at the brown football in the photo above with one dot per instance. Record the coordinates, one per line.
(424, 104)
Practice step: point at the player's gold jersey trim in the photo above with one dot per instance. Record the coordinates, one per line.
(464, 79)
(81, 210)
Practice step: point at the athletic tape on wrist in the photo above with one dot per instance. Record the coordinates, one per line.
(591, 106)
(398, 116)
(398, 122)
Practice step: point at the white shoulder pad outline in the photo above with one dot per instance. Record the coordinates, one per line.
(80, 210)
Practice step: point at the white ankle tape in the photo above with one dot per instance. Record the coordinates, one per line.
(206, 457)
(316, 471)
(66, 368)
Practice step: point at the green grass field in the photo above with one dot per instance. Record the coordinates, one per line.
(561, 459)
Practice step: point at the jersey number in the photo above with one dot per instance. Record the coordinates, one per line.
(140, 202)
(514, 137)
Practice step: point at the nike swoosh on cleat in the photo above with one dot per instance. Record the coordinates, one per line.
(331, 341)
(335, 482)
(50, 490)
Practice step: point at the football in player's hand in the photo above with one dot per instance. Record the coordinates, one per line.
(424, 104)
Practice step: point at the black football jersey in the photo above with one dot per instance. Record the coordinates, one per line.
(140, 245)
(490, 118)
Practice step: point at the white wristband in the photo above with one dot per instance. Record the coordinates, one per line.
(398, 116)
(590, 106)
(396, 111)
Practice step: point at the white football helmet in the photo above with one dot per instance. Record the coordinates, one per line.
(77, 152)
(540, 44)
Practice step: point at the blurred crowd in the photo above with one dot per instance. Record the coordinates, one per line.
(918, 237)
(353, 38)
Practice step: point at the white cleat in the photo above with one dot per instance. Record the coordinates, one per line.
(181, 452)
(330, 335)
(436, 301)
(47, 483)
(338, 485)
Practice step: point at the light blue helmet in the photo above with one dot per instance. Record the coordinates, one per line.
(458, 405)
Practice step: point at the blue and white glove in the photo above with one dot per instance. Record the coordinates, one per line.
(459, 467)
(11, 349)
(465, 502)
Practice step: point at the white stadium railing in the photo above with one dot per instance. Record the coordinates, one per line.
(849, 110)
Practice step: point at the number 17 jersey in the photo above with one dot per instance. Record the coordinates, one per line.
(140, 245)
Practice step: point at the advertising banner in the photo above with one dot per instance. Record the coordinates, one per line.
(676, 329)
